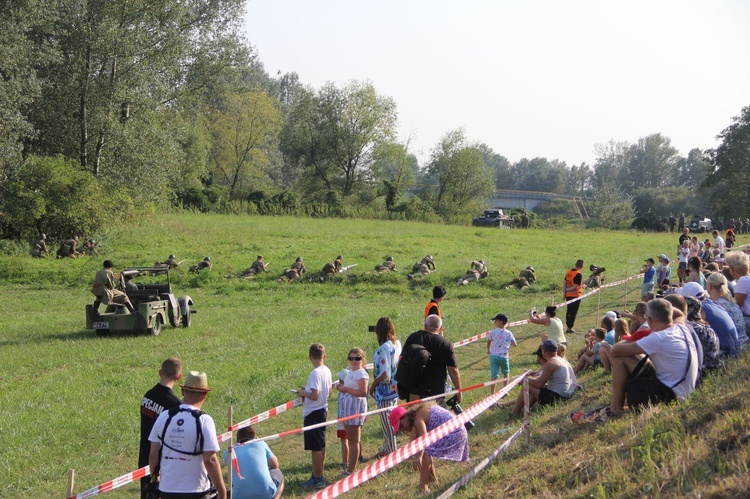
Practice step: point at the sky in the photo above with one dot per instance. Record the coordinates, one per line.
(528, 78)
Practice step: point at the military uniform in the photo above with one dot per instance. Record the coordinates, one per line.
(89, 248)
(39, 248)
(68, 248)
(388, 266)
(525, 278)
(595, 279)
(205, 264)
(424, 266)
(332, 268)
(105, 292)
(169, 263)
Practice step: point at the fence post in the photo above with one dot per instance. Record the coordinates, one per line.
(230, 453)
(71, 482)
(527, 411)
(598, 304)
(625, 307)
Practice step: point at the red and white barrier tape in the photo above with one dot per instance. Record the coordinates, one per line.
(385, 463)
(266, 415)
(481, 465)
(113, 484)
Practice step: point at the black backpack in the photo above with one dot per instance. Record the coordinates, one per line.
(198, 449)
(409, 373)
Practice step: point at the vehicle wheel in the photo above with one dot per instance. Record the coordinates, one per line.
(102, 332)
(186, 318)
(154, 331)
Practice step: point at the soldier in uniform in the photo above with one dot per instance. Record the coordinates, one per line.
(169, 263)
(332, 268)
(294, 272)
(40, 247)
(105, 292)
(525, 278)
(387, 266)
(205, 264)
(254, 269)
(89, 248)
(478, 270)
(596, 278)
(68, 248)
(423, 267)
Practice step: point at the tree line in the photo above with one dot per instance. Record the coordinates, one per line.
(110, 106)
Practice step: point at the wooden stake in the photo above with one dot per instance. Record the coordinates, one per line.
(231, 441)
(527, 410)
(71, 482)
(625, 306)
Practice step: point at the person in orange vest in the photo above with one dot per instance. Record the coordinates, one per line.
(573, 288)
(433, 306)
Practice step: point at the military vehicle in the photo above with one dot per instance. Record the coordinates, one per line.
(151, 296)
(493, 218)
(700, 225)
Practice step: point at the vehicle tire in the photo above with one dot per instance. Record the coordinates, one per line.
(186, 318)
(154, 331)
(102, 332)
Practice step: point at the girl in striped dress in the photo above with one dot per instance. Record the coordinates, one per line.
(354, 401)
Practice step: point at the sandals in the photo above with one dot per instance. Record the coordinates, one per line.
(601, 415)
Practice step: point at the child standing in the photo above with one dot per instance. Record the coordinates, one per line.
(315, 410)
(499, 342)
(354, 401)
(649, 272)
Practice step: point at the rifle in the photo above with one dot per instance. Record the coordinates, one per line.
(180, 262)
(344, 269)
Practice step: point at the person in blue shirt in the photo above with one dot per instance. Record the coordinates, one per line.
(259, 476)
(648, 276)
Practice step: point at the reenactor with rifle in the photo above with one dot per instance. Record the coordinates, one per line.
(525, 278)
(334, 267)
(423, 267)
(89, 248)
(170, 263)
(105, 291)
(40, 247)
(255, 268)
(68, 248)
(478, 270)
(596, 278)
(388, 265)
(294, 272)
(205, 264)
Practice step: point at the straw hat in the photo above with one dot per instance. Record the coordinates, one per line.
(196, 381)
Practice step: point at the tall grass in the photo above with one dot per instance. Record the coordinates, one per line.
(71, 398)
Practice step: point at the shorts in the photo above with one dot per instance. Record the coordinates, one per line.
(597, 362)
(341, 433)
(499, 364)
(682, 265)
(643, 387)
(187, 495)
(648, 287)
(315, 439)
(548, 397)
(277, 476)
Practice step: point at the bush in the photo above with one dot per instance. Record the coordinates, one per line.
(55, 196)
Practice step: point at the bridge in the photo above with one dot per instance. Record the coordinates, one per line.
(507, 199)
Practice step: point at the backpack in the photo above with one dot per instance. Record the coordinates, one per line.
(414, 358)
(198, 449)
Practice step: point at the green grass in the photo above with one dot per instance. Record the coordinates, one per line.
(71, 398)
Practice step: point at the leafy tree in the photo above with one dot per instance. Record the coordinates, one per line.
(612, 208)
(396, 168)
(500, 165)
(579, 180)
(650, 162)
(729, 174)
(668, 200)
(541, 175)
(121, 70)
(691, 171)
(464, 181)
(244, 133)
(334, 132)
(611, 158)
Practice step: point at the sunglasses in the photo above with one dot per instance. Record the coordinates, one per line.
(355, 358)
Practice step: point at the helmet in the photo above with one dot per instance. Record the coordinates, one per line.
(207, 259)
(481, 261)
(592, 267)
(389, 259)
(339, 257)
(44, 236)
(530, 268)
(429, 257)
(171, 256)
(92, 241)
(299, 259)
(75, 238)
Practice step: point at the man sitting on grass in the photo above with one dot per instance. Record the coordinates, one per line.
(661, 367)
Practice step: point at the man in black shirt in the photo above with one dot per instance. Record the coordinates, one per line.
(159, 398)
(442, 361)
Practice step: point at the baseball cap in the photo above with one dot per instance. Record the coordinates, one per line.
(549, 346)
(649, 259)
(692, 289)
(612, 314)
(663, 257)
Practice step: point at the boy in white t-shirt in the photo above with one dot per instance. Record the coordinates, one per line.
(499, 342)
(315, 410)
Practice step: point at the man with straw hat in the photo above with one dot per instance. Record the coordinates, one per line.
(184, 445)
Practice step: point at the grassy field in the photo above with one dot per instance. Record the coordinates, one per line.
(71, 398)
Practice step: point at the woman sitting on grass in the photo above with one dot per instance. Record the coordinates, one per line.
(417, 421)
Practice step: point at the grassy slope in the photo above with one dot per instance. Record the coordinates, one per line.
(252, 338)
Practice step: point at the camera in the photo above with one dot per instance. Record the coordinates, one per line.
(370, 329)
(457, 409)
